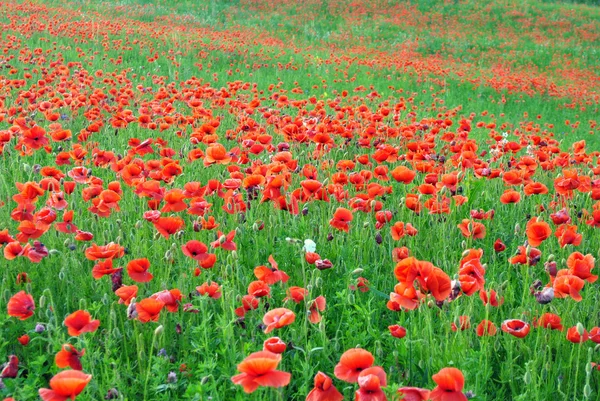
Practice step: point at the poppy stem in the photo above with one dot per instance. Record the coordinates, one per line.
(149, 365)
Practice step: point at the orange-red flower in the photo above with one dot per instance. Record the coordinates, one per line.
(80, 322)
(486, 328)
(21, 305)
(341, 219)
(274, 345)
(278, 318)
(259, 369)
(574, 336)
(413, 394)
(149, 309)
(581, 266)
(69, 356)
(64, 385)
(324, 390)
(126, 293)
(352, 362)
(138, 270)
(537, 231)
(450, 383)
(548, 321)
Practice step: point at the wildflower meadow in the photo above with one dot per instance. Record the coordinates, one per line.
(317, 200)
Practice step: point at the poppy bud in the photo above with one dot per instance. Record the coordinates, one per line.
(42, 301)
(378, 238)
(351, 299)
(319, 282)
(366, 224)
(329, 237)
(580, 329)
(61, 275)
(138, 225)
(112, 394)
(197, 226)
(24, 339)
(159, 330)
(39, 328)
(204, 380)
(26, 168)
(234, 255)
(517, 229)
(587, 390)
(527, 378)
(357, 271)
(551, 257)
(304, 211)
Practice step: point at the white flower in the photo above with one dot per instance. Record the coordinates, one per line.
(309, 245)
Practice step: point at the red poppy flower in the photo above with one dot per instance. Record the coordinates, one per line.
(69, 356)
(548, 321)
(537, 231)
(370, 382)
(21, 306)
(414, 394)
(324, 390)
(259, 369)
(397, 331)
(80, 322)
(568, 285)
(213, 290)
(195, 249)
(138, 270)
(515, 327)
(167, 226)
(23, 340)
(574, 336)
(171, 298)
(126, 293)
(341, 219)
(109, 251)
(450, 383)
(278, 318)
(64, 385)
(318, 305)
(352, 362)
(104, 268)
(149, 309)
(274, 345)
(486, 328)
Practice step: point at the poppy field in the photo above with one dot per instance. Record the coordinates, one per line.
(300, 200)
